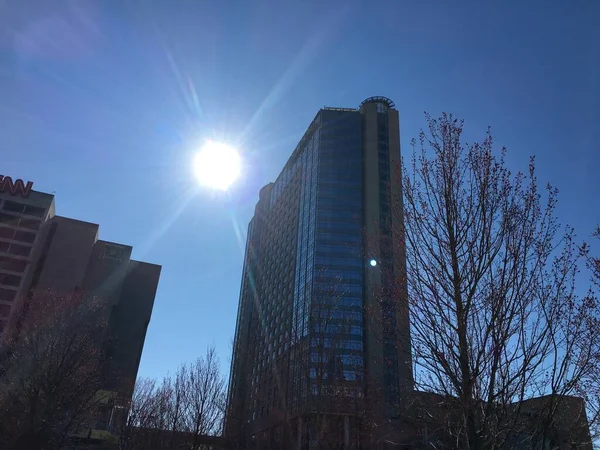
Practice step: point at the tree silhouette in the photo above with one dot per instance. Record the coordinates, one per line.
(496, 316)
(51, 371)
(178, 412)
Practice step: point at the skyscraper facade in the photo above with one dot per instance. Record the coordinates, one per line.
(322, 337)
(42, 252)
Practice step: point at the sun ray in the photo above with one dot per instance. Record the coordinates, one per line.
(217, 165)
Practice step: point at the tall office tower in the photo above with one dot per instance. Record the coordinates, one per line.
(40, 252)
(322, 334)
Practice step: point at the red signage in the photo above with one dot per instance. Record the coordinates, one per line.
(17, 187)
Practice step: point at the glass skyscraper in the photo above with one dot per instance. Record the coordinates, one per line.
(322, 332)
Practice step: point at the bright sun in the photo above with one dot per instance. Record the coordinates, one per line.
(217, 165)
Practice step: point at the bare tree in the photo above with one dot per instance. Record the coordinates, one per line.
(496, 318)
(174, 391)
(591, 390)
(593, 264)
(50, 375)
(204, 398)
(142, 413)
(180, 411)
(152, 422)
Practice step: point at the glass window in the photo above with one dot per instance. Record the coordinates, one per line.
(19, 250)
(34, 211)
(353, 262)
(12, 264)
(356, 330)
(32, 224)
(24, 236)
(351, 301)
(349, 225)
(13, 207)
(7, 233)
(9, 219)
(338, 214)
(10, 280)
(335, 193)
(7, 295)
(339, 250)
(339, 179)
(351, 238)
(349, 375)
(4, 310)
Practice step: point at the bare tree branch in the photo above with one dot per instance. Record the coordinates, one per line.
(50, 376)
(496, 316)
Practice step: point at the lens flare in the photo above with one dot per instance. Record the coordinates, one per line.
(217, 165)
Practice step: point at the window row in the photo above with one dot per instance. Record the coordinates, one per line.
(336, 170)
(346, 276)
(354, 343)
(338, 288)
(10, 280)
(341, 180)
(14, 265)
(350, 238)
(340, 195)
(17, 221)
(7, 295)
(21, 208)
(333, 329)
(14, 249)
(341, 203)
(347, 375)
(17, 235)
(343, 300)
(355, 316)
(345, 225)
(341, 251)
(332, 261)
(335, 189)
(4, 310)
(325, 214)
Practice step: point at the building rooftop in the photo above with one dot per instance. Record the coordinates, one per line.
(379, 99)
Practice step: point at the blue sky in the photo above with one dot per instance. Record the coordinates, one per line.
(104, 103)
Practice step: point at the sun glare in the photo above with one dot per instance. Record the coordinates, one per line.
(217, 165)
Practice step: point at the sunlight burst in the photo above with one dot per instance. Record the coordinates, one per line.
(217, 165)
